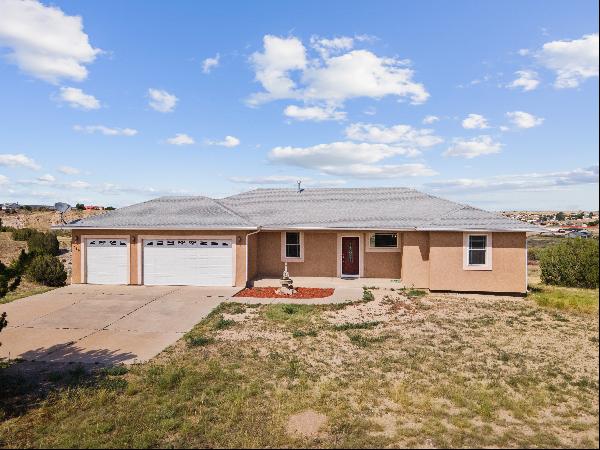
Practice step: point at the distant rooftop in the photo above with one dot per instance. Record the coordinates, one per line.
(335, 208)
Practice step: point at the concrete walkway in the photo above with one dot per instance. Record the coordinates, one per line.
(116, 324)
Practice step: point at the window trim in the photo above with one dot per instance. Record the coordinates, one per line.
(488, 252)
(285, 258)
(396, 249)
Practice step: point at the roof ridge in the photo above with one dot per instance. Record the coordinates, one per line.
(235, 213)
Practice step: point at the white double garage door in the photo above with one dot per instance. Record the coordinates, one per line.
(192, 262)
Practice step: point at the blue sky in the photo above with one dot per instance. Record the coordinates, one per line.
(494, 104)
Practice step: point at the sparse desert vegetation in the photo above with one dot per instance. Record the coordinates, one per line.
(426, 370)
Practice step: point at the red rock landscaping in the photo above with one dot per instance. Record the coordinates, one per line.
(271, 292)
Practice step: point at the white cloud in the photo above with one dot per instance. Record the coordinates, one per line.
(475, 121)
(428, 120)
(210, 63)
(395, 134)
(47, 178)
(181, 139)
(229, 141)
(105, 130)
(572, 61)
(45, 42)
(76, 98)
(472, 148)
(78, 185)
(272, 68)
(524, 120)
(68, 170)
(326, 47)
(314, 113)
(352, 159)
(523, 51)
(18, 160)
(329, 80)
(529, 181)
(161, 100)
(4, 180)
(527, 80)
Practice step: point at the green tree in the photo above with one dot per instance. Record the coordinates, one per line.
(80, 206)
(43, 243)
(560, 216)
(571, 263)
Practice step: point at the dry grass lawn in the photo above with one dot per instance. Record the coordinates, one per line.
(399, 371)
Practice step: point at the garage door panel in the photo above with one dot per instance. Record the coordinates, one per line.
(107, 261)
(188, 262)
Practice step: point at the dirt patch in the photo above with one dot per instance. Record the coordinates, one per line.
(271, 292)
(9, 249)
(306, 423)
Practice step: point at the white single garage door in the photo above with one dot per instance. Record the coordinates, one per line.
(193, 262)
(107, 261)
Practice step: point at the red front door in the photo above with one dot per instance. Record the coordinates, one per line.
(350, 256)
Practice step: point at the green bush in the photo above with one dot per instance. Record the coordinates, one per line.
(571, 263)
(367, 295)
(47, 270)
(23, 234)
(40, 243)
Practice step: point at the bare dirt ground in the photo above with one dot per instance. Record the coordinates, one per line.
(42, 220)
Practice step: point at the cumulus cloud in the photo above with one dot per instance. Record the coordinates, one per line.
(44, 42)
(68, 170)
(396, 134)
(210, 63)
(527, 80)
(428, 120)
(18, 160)
(529, 181)
(352, 159)
(78, 99)
(475, 121)
(285, 72)
(572, 61)
(181, 139)
(107, 131)
(229, 141)
(472, 148)
(161, 100)
(314, 113)
(523, 119)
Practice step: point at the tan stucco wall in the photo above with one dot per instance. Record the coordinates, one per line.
(509, 270)
(252, 256)
(240, 248)
(415, 259)
(383, 264)
(320, 255)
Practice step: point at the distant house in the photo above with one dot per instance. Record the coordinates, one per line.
(392, 233)
(579, 234)
(10, 207)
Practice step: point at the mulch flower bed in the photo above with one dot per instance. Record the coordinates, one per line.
(271, 292)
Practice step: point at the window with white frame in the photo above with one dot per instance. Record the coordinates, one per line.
(477, 250)
(383, 240)
(292, 245)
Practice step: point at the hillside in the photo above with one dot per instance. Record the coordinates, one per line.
(42, 220)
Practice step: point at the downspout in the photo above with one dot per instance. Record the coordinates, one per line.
(247, 253)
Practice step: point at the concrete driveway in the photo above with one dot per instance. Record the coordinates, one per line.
(104, 324)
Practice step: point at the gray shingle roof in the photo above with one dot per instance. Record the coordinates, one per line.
(169, 213)
(342, 208)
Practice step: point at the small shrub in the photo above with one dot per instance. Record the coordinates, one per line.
(23, 234)
(47, 270)
(195, 340)
(223, 323)
(40, 243)
(571, 263)
(368, 295)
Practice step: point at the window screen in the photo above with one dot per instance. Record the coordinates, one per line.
(384, 240)
(477, 250)
(292, 245)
